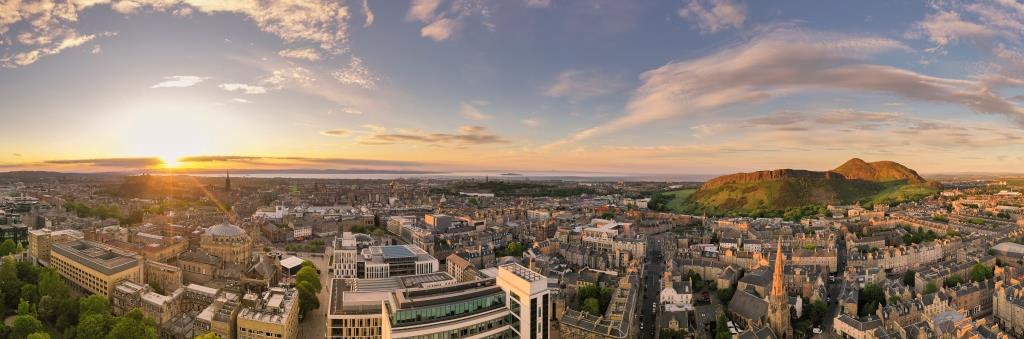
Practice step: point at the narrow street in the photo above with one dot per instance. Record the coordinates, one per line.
(314, 325)
(655, 265)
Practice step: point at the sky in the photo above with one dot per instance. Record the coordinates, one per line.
(552, 86)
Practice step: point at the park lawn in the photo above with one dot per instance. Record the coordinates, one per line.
(679, 196)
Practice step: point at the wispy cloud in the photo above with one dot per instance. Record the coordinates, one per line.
(442, 25)
(367, 13)
(466, 136)
(422, 10)
(244, 88)
(782, 62)
(356, 74)
(111, 162)
(48, 27)
(531, 122)
(301, 54)
(179, 81)
(715, 15)
(470, 111)
(580, 85)
(338, 132)
(538, 3)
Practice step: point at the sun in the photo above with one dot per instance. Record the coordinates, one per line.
(170, 161)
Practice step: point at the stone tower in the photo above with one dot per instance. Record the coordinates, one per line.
(778, 302)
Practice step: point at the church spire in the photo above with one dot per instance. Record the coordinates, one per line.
(778, 302)
(777, 288)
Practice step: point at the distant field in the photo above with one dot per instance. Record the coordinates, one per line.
(903, 193)
(680, 196)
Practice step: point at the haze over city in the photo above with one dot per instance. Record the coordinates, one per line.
(642, 87)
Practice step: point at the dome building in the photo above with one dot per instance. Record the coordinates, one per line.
(228, 242)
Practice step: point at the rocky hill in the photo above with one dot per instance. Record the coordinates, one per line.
(855, 181)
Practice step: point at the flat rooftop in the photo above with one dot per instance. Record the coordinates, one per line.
(99, 257)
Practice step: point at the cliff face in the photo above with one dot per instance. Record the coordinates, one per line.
(759, 176)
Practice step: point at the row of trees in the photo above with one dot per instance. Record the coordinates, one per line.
(43, 302)
(307, 281)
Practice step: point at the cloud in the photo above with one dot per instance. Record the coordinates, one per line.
(272, 160)
(531, 122)
(335, 132)
(441, 25)
(715, 15)
(579, 85)
(40, 44)
(778, 119)
(422, 10)
(48, 27)
(368, 13)
(848, 116)
(784, 62)
(466, 136)
(241, 100)
(538, 3)
(439, 30)
(301, 54)
(469, 111)
(179, 81)
(356, 74)
(110, 162)
(97, 49)
(946, 27)
(247, 89)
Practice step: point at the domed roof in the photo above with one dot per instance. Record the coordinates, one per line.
(225, 230)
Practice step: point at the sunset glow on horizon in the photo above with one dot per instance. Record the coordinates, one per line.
(651, 87)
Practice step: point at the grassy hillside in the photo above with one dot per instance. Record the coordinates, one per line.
(795, 192)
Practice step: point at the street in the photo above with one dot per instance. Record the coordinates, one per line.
(655, 265)
(314, 325)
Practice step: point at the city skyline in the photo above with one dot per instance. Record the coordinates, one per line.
(666, 87)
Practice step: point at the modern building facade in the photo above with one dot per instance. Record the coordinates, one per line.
(515, 304)
(95, 268)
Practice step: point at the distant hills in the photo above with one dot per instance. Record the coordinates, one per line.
(777, 191)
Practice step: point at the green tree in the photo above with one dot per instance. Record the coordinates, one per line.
(514, 249)
(307, 297)
(25, 325)
(722, 328)
(980, 272)
(39, 335)
(308, 274)
(29, 292)
(952, 281)
(133, 325)
(930, 288)
(25, 308)
(28, 272)
(93, 326)
(7, 247)
(52, 285)
(818, 311)
(93, 305)
(208, 335)
(725, 295)
(908, 278)
(48, 308)
(9, 283)
(592, 306)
